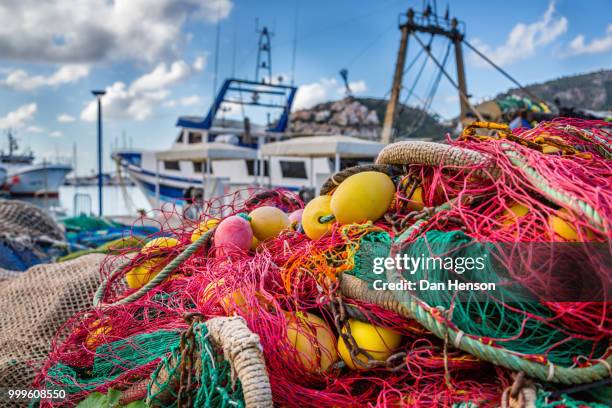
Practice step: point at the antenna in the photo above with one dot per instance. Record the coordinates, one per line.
(344, 75)
(218, 34)
(295, 33)
(234, 50)
(413, 23)
(264, 53)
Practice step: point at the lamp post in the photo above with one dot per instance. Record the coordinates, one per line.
(98, 94)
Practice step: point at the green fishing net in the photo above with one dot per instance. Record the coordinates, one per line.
(212, 385)
(112, 360)
(510, 317)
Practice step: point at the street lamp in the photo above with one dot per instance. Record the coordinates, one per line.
(98, 94)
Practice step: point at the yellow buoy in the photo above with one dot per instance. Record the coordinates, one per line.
(267, 222)
(416, 202)
(140, 275)
(513, 213)
(364, 196)
(96, 335)
(311, 217)
(561, 227)
(313, 339)
(203, 227)
(379, 342)
(154, 246)
(549, 149)
(229, 302)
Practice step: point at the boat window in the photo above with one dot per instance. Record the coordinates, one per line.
(172, 165)
(194, 137)
(252, 167)
(293, 169)
(199, 167)
(180, 138)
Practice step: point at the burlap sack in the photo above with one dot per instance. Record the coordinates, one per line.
(33, 306)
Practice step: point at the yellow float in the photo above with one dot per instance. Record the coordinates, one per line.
(379, 342)
(96, 335)
(313, 339)
(267, 222)
(203, 227)
(311, 217)
(560, 223)
(140, 275)
(364, 196)
(229, 302)
(513, 213)
(416, 202)
(156, 245)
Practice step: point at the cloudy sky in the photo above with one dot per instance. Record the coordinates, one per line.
(155, 58)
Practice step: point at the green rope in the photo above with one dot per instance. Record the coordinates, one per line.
(327, 218)
(157, 279)
(113, 247)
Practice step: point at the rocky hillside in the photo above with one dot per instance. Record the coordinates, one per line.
(363, 117)
(586, 91)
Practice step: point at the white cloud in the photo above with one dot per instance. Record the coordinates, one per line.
(578, 46)
(56, 133)
(19, 117)
(162, 76)
(34, 129)
(22, 81)
(65, 118)
(324, 90)
(69, 31)
(137, 100)
(524, 39)
(186, 101)
(199, 63)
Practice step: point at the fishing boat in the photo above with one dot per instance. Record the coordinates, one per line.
(26, 178)
(221, 155)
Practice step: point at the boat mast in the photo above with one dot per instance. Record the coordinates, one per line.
(426, 22)
(12, 142)
(264, 53)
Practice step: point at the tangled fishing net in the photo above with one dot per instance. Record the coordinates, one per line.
(28, 236)
(307, 326)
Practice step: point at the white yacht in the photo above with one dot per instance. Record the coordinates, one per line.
(24, 178)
